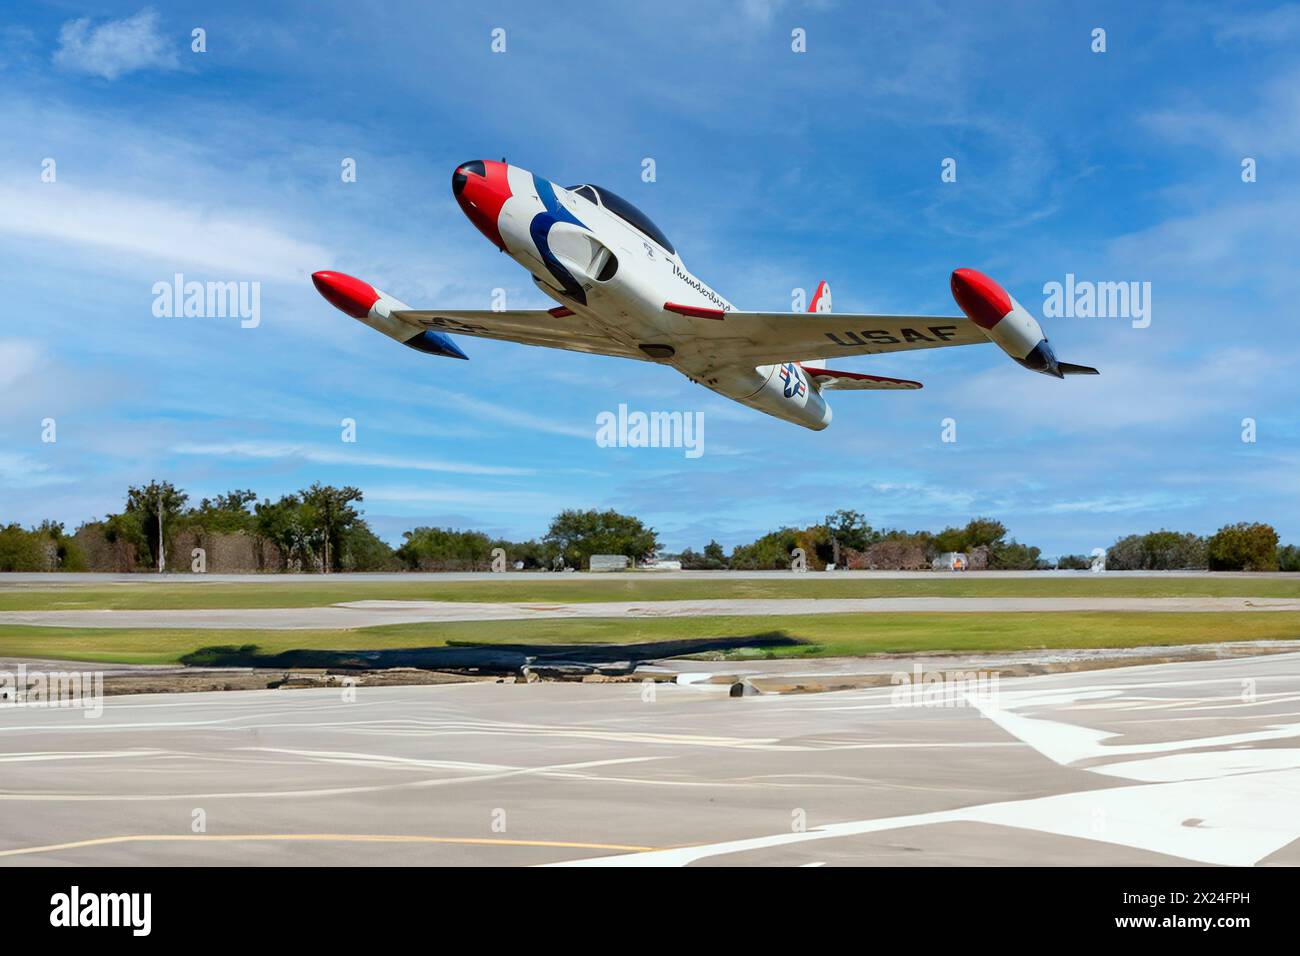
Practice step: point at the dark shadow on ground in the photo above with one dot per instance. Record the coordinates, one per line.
(560, 659)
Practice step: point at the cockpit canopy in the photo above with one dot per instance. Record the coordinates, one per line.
(624, 210)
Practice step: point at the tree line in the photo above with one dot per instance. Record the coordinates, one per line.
(317, 529)
(846, 539)
(322, 529)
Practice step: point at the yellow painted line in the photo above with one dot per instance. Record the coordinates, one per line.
(322, 837)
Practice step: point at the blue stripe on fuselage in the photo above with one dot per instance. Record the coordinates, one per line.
(540, 229)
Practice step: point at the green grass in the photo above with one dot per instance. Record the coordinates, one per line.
(828, 635)
(313, 591)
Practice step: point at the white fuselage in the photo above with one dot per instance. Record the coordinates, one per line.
(566, 240)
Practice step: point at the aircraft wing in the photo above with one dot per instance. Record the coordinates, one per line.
(768, 337)
(556, 328)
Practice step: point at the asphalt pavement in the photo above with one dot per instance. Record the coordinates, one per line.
(1188, 762)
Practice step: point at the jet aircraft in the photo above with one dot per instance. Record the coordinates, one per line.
(622, 289)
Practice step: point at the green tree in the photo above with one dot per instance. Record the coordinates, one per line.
(1014, 556)
(983, 532)
(1157, 551)
(283, 524)
(446, 549)
(43, 548)
(1127, 554)
(363, 550)
(126, 531)
(1243, 547)
(712, 559)
(144, 503)
(328, 513)
(68, 555)
(849, 529)
(228, 512)
(768, 553)
(979, 532)
(949, 539)
(21, 550)
(577, 535)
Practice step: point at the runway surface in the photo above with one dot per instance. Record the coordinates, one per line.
(353, 614)
(1163, 764)
(25, 579)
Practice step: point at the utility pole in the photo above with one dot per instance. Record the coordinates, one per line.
(162, 558)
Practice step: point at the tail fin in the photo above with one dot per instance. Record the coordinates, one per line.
(1068, 368)
(821, 302)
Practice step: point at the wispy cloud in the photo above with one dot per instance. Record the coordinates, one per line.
(1265, 124)
(19, 358)
(23, 469)
(115, 47)
(482, 407)
(481, 503)
(276, 451)
(167, 231)
(1278, 25)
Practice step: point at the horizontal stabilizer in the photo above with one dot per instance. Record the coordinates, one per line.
(1069, 369)
(827, 378)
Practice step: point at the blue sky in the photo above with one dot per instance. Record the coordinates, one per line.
(774, 170)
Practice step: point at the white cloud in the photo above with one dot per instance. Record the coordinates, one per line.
(18, 359)
(761, 11)
(170, 231)
(116, 47)
(1240, 248)
(19, 470)
(1151, 389)
(483, 504)
(276, 450)
(1115, 504)
(476, 405)
(1265, 124)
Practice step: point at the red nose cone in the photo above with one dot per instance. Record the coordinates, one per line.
(482, 188)
(983, 300)
(346, 293)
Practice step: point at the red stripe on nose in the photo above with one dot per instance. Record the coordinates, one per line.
(983, 300)
(346, 293)
(481, 188)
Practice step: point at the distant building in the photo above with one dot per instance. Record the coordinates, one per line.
(673, 565)
(609, 562)
(950, 561)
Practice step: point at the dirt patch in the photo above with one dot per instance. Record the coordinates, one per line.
(254, 679)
